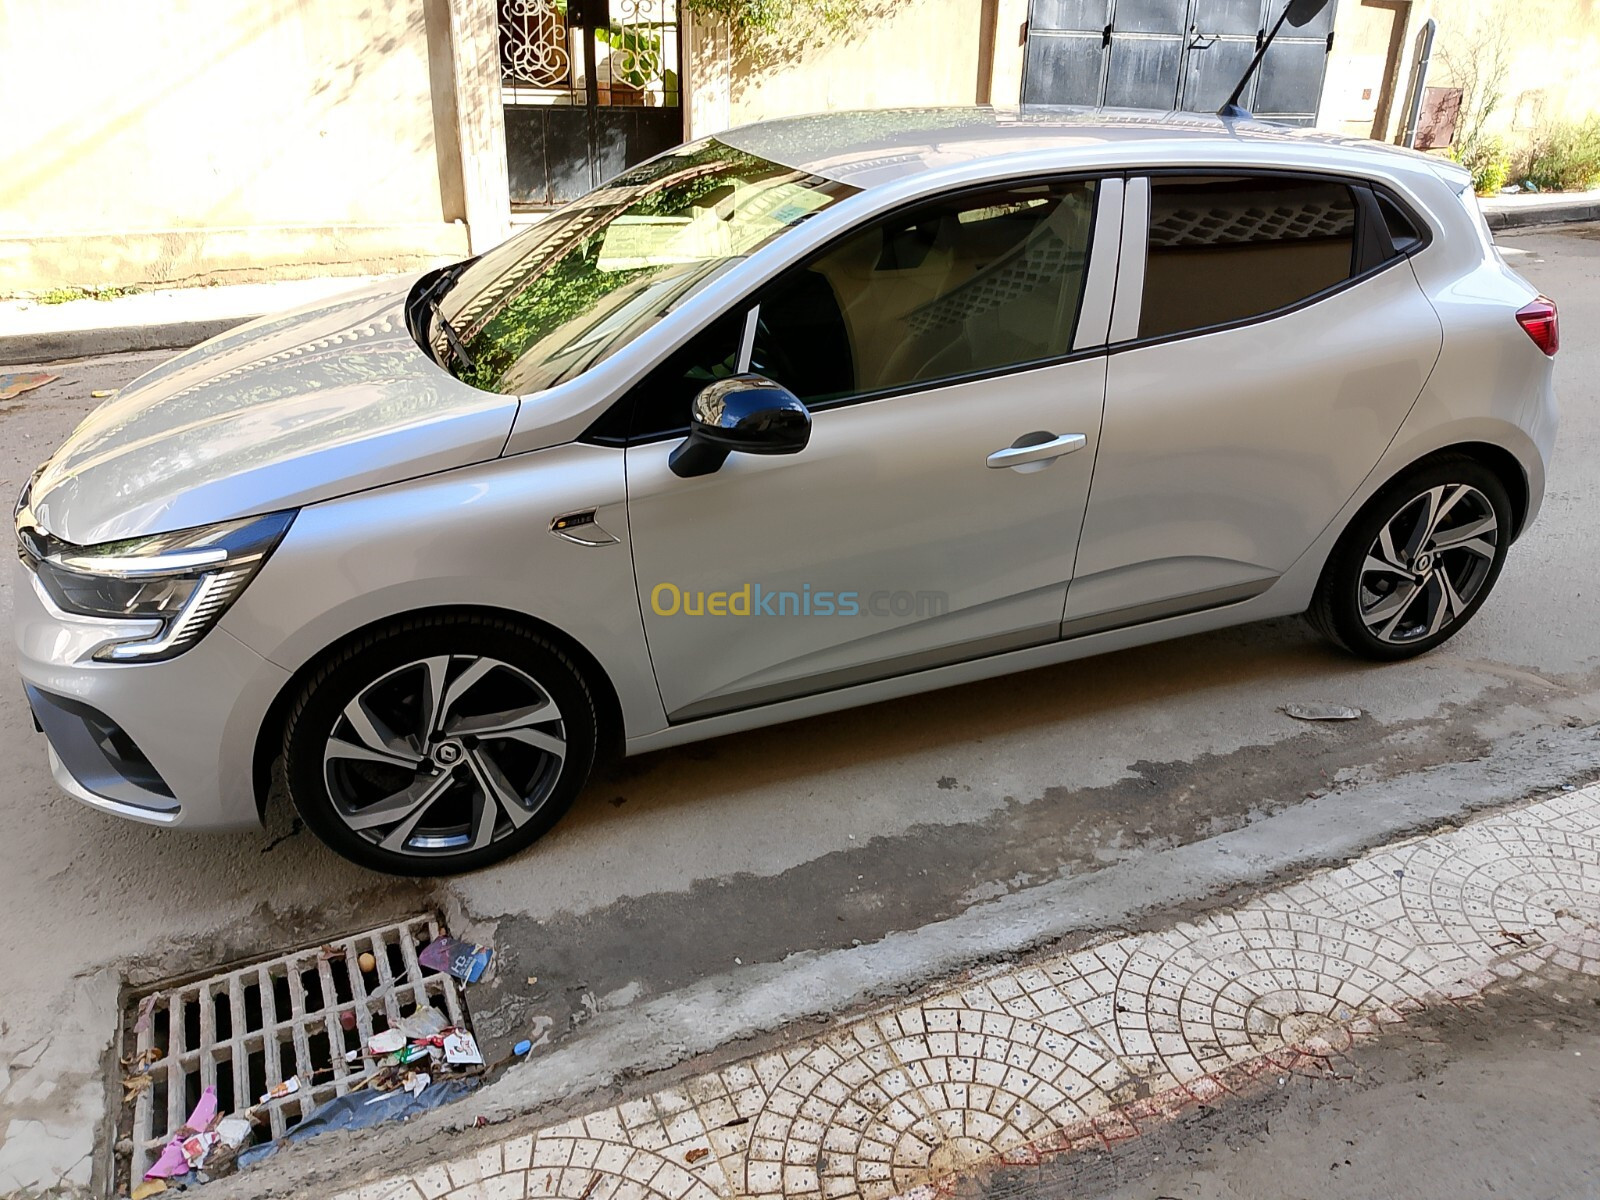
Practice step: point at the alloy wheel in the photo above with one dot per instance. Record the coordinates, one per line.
(444, 755)
(1428, 563)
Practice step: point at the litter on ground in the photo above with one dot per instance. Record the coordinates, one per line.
(1322, 712)
(464, 960)
(14, 384)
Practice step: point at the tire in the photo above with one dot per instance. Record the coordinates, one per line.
(440, 744)
(1448, 525)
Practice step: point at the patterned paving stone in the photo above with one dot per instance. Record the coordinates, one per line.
(1083, 1048)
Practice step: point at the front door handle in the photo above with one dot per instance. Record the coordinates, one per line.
(1036, 448)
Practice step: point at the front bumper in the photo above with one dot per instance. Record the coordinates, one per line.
(166, 743)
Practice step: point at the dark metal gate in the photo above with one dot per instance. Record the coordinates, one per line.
(591, 87)
(1173, 54)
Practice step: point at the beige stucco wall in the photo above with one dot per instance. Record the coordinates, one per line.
(170, 139)
(1550, 50)
(919, 52)
(910, 52)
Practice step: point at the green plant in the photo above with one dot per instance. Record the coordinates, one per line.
(61, 295)
(773, 28)
(635, 53)
(1488, 160)
(1565, 157)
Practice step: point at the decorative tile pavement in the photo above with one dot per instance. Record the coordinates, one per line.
(1079, 1049)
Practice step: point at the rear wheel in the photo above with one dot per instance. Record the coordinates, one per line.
(1418, 561)
(443, 744)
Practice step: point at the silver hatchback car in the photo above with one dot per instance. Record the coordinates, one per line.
(807, 415)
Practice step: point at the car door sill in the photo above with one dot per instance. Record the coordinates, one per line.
(887, 668)
(1273, 602)
(947, 656)
(1174, 606)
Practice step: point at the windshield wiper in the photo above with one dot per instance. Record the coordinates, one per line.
(429, 299)
(451, 337)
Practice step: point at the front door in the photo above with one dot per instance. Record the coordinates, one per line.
(590, 88)
(952, 364)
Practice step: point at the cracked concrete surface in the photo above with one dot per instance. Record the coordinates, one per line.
(695, 881)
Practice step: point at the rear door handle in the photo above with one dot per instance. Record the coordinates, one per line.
(1030, 449)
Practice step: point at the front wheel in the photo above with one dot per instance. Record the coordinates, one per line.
(1417, 562)
(440, 745)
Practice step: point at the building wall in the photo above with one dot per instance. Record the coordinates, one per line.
(916, 52)
(1549, 51)
(181, 140)
(908, 53)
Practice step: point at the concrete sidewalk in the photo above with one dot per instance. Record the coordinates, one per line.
(175, 318)
(1541, 208)
(164, 319)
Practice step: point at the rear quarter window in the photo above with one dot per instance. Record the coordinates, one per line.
(1404, 235)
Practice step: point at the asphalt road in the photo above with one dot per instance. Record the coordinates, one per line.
(727, 888)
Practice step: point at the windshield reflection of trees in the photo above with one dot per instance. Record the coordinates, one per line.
(532, 313)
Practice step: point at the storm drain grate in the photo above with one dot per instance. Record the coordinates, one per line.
(250, 1029)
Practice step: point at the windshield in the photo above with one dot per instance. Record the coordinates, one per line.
(584, 282)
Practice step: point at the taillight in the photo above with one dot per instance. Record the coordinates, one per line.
(1542, 323)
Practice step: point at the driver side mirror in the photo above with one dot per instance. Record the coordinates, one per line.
(748, 414)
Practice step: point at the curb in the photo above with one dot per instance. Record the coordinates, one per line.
(1543, 214)
(18, 348)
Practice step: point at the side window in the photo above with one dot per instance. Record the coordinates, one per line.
(1224, 249)
(984, 282)
(660, 404)
(1403, 232)
(978, 283)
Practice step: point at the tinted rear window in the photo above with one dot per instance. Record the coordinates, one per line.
(1224, 249)
(1403, 232)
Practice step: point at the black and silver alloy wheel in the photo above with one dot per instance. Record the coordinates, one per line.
(1428, 563)
(445, 754)
(1417, 562)
(441, 746)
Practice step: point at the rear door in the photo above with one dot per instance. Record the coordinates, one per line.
(1261, 361)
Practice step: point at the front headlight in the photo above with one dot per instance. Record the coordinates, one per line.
(181, 582)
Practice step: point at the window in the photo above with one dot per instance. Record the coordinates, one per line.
(992, 280)
(1403, 232)
(581, 284)
(1225, 249)
(985, 282)
(660, 405)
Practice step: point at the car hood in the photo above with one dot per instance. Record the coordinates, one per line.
(281, 412)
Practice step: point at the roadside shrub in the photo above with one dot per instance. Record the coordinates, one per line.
(1565, 157)
(1487, 159)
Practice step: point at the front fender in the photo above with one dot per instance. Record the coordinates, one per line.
(474, 537)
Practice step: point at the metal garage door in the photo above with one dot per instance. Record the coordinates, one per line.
(1164, 54)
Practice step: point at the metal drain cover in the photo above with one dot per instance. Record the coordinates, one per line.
(247, 1030)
